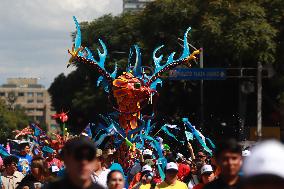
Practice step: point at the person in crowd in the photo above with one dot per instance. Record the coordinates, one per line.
(195, 168)
(171, 181)
(38, 177)
(201, 155)
(137, 178)
(183, 168)
(53, 161)
(147, 180)
(146, 157)
(229, 157)
(24, 158)
(100, 173)
(108, 158)
(79, 155)
(263, 169)
(207, 175)
(11, 177)
(1, 165)
(115, 180)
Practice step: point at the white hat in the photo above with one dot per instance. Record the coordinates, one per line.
(245, 153)
(147, 152)
(179, 155)
(206, 169)
(265, 158)
(146, 168)
(172, 165)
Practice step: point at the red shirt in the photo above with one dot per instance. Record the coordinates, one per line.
(183, 171)
(199, 186)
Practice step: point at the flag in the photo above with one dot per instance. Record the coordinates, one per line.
(128, 143)
(3, 152)
(211, 143)
(47, 149)
(88, 131)
(37, 130)
(189, 135)
(165, 129)
(197, 135)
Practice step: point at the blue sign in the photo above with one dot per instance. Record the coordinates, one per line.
(197, 74)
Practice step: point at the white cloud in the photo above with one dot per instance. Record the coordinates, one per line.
(35, 34)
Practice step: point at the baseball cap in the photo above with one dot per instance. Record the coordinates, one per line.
(179, 156)
(171, 166)
(147, 152)
(206, 169)
(266, 159)
(146, 168)
(76, 147)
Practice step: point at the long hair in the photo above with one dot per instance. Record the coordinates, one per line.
(41, 164)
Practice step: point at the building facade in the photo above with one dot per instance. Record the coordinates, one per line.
(33, 97)
(134, 5)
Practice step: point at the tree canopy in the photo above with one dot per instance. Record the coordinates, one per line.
(10, 120)
(232, 33)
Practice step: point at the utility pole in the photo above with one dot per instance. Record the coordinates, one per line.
(201, 92)
(259, 100)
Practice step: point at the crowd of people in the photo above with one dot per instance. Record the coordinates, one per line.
(80, 164)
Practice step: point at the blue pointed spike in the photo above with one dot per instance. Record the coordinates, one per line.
(113, 75)
(78, 34)
(170, 58)
(90, 55)
(137, 67)
(186, 51)
(102, 55)
(157, 60)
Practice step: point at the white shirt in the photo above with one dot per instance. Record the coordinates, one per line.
(11, 182)
(193, 182)
(101, 179)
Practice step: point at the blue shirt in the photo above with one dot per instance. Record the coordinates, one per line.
(24, 163)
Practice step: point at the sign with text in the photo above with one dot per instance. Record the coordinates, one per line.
(197, 74)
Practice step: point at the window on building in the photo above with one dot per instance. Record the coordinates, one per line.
(30, 101)
(39, 94)
(39, 110)
(30, 110)
(39, 101)
(2, 94)
(31, 118)
(30, 94)
(40, 119)
(21, 94)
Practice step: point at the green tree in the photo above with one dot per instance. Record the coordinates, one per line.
(10, 120)
(233, 33)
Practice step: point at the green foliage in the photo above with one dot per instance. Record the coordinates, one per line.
(10, 120)
(233, 34)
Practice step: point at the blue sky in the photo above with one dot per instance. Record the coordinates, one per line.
(35, 34)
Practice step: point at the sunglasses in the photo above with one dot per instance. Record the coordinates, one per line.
(200, 156)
